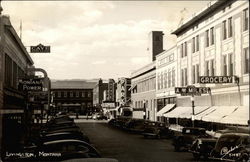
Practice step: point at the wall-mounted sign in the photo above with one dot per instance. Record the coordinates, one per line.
(191, 90)
(108, 105)
(40, 49)
(30, 84)
(216, 79)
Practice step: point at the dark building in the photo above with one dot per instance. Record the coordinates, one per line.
(98, 94)
(155, 43)
(72, 96)
(14, 62)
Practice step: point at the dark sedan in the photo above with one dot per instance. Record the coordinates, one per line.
(189, 134)
(157, 130)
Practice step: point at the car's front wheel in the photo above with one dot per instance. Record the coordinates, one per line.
(196, 156)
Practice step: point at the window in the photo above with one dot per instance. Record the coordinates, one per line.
(207, 68)
(71, 94)
(245, 19)
(224, 30)
(166, 82)
(185, 54)
(212, 35)
(182, 77)
(197, 43)
(197, 73)
(83, 94)
(182, 50)
(169, 79)
(231, 64)
(14, 75)
(230, 27)
(246, 60)
(212, 67)
(65, 94)
(58, 94)
(193, 44)
(77, 94)
(207, 38)
(193, 71)
(225, 65)
(8, 71)
(89, 94)
(185, 76)
(173, 77)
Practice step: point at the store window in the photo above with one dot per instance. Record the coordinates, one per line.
(245, 19)
(246, 60)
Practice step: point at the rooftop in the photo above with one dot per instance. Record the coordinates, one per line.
(72, 84)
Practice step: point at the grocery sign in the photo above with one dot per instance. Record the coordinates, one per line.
(216, 79)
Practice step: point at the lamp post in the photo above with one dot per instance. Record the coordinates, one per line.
(192, 100)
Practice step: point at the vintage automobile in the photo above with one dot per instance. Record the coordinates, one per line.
(202, 147)
(63, 135)
(232, 147)
(135, 125)
(120, 121)
(188, 135)
(157, 130)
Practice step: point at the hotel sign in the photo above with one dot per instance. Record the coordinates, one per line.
(40, 49)
(216, 79)
(30, 84)
(191, 90)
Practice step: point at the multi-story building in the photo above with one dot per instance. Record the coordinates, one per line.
(14, 62)
(98, 90)
(143, 92)
(143, 81)
(215, 42)
(166, 78)
(72, 96)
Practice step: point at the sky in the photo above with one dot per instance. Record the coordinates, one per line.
(95, 39)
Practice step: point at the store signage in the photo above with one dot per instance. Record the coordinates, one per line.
(40, 49)
(216, 79)
(108, 105)
(191, 90)
(30, 84)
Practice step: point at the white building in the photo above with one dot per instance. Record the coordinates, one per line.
(166, 68)
(215, 42)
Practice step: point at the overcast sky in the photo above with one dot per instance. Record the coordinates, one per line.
(95, 39)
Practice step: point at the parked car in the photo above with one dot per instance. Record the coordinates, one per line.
(232, 147)
(62, 136)
(135, 125)
(157, 130)
(188, 135)
(202, 147)
(121, 120)
(58, 150)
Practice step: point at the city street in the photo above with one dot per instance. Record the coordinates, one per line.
(128, 147)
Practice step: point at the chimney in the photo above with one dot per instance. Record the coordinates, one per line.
(155, 44)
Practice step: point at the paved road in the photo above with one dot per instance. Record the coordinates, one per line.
(128, 147)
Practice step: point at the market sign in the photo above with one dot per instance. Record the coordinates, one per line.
(40, 49)
(191, 90)
(108, 105)
(216, 79)
(30, 84)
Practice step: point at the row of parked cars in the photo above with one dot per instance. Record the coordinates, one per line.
(148, 129)
(58, 140)
(226, 145)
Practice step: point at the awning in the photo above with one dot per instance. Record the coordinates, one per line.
(239, 116)
(218, 113)
(185, 112)
(165, 109)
